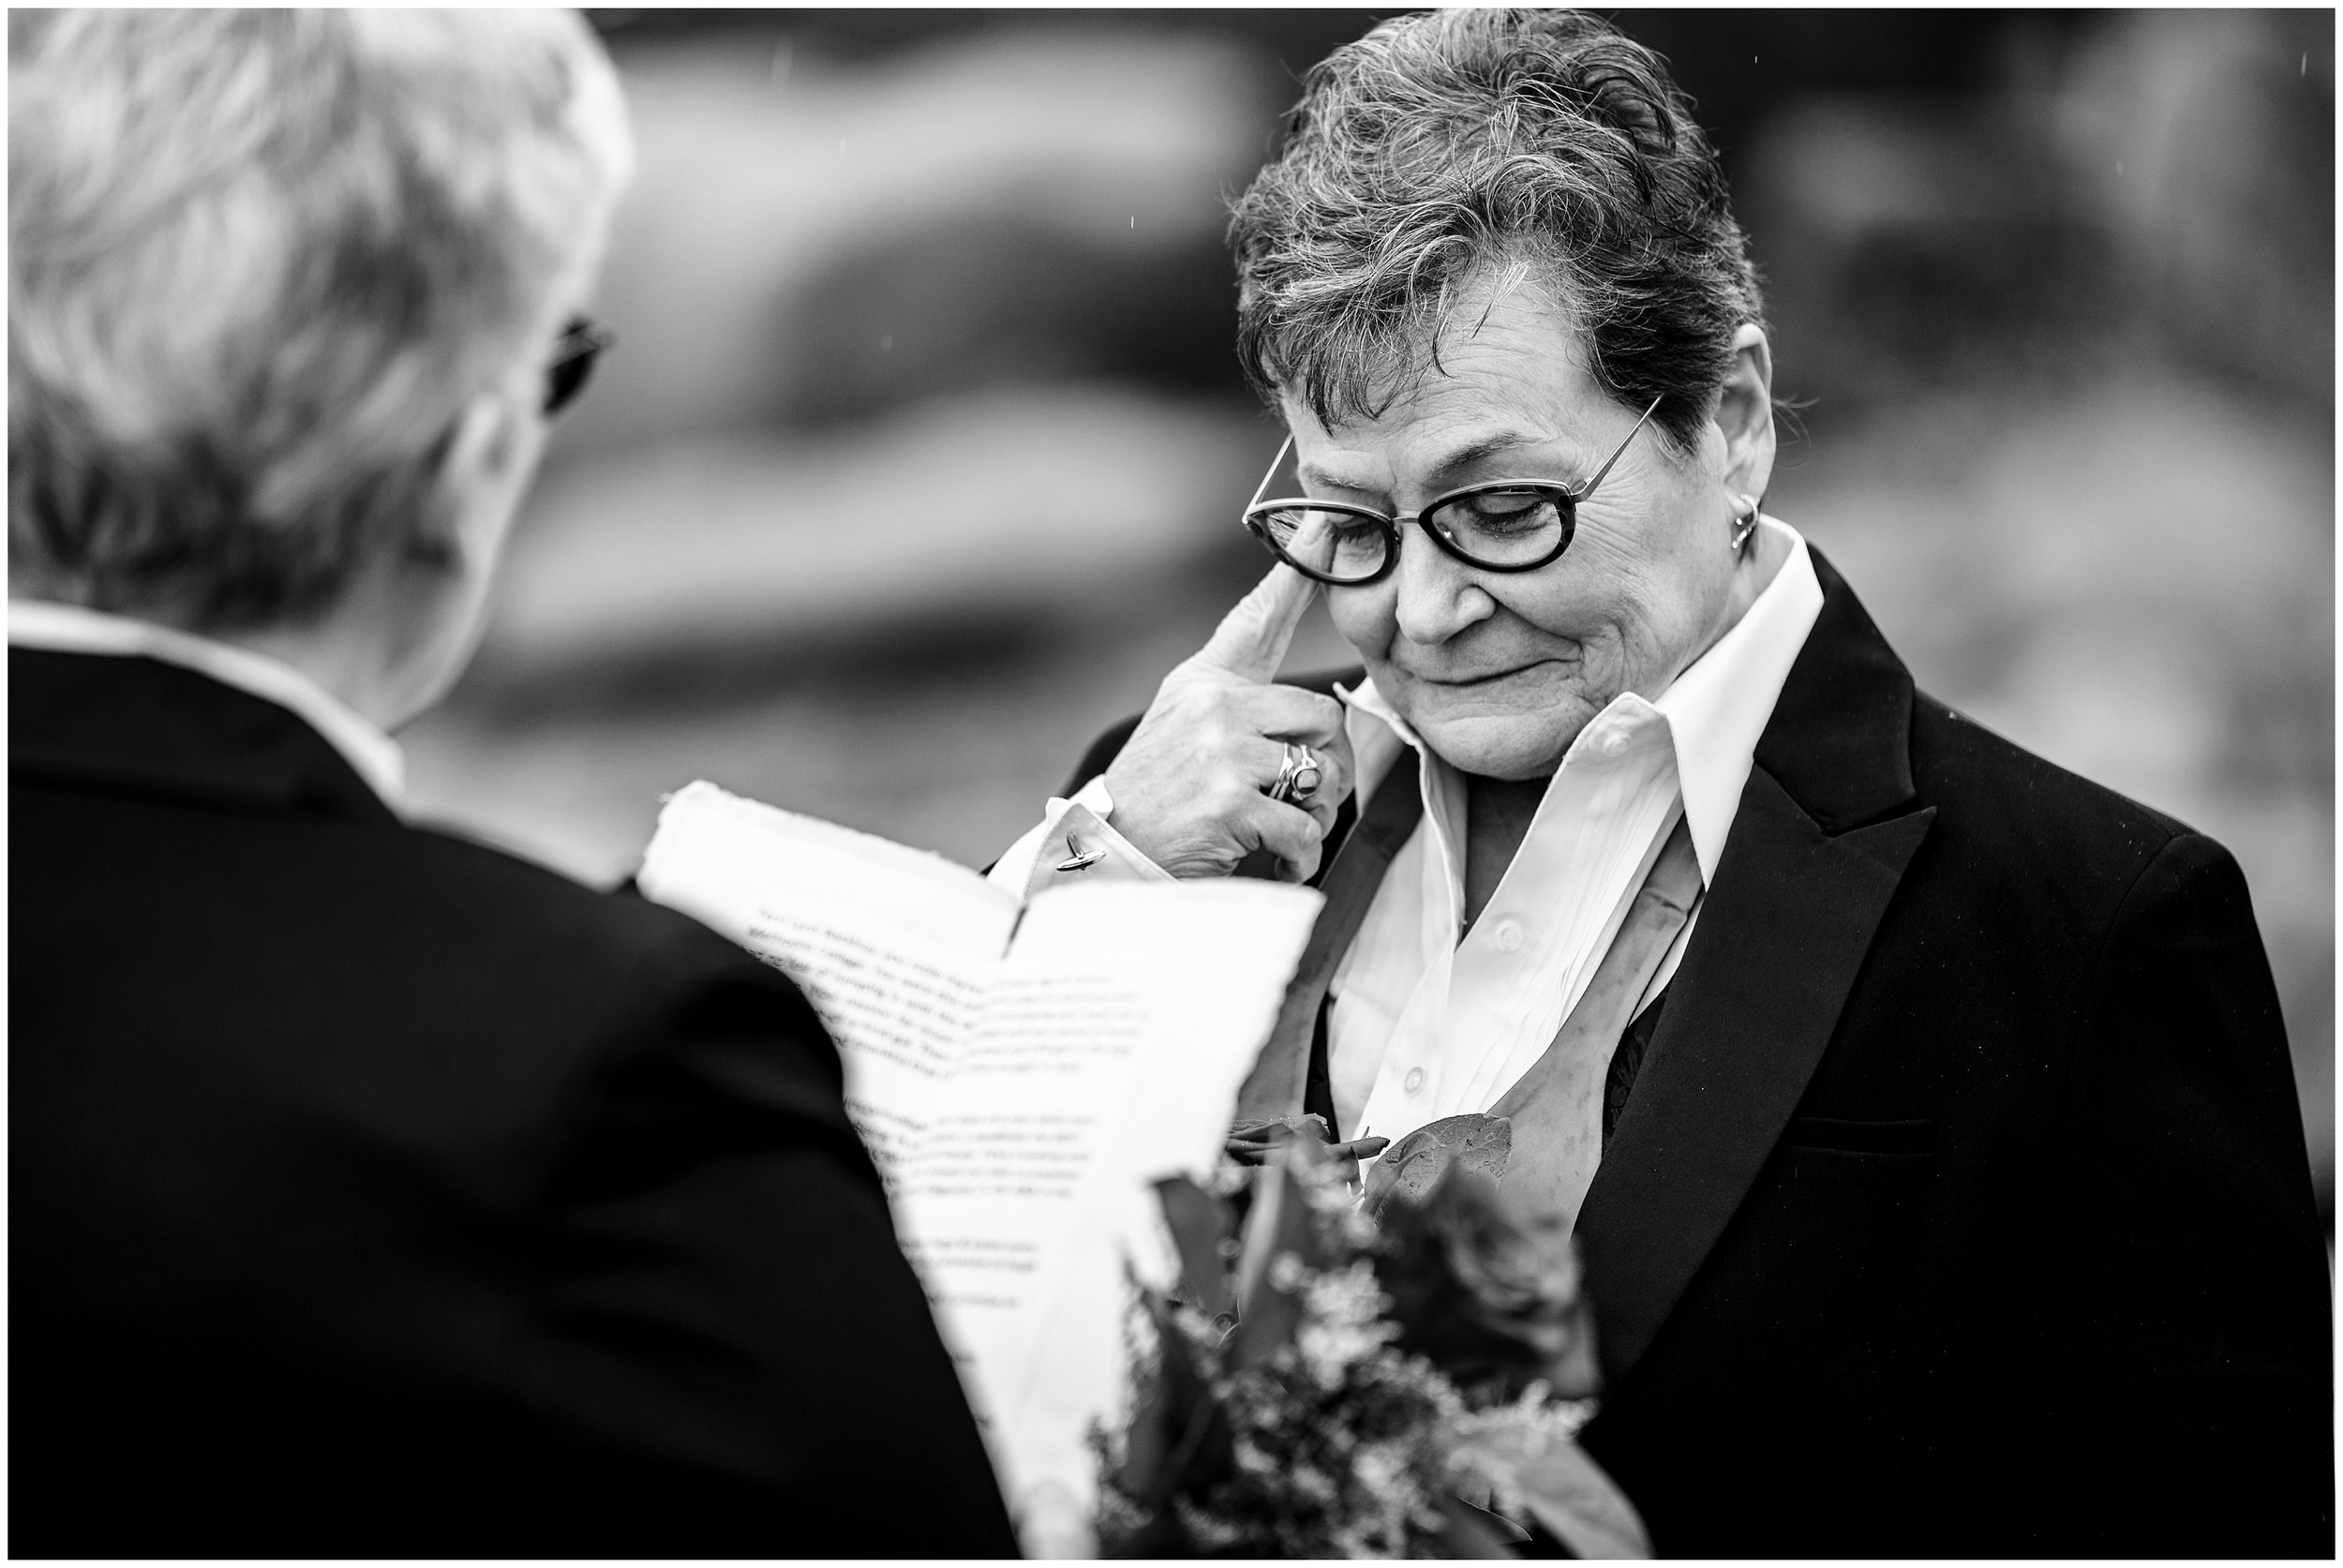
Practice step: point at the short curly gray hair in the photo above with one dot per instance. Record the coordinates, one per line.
(1454, 145)
(259, 260)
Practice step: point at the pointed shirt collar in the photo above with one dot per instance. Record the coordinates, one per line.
(71, 629)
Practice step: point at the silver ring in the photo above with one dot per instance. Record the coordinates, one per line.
(1298, 776)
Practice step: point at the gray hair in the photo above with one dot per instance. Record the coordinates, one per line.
(1468, 145)
(259, 262)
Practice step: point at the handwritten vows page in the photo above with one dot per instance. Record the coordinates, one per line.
(1020, 1077)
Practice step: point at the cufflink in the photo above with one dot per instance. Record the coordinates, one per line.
(1079, 858)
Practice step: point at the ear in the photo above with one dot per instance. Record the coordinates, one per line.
(489, 454)
(1745, 414)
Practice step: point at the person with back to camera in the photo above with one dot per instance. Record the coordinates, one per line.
(1924, 1110)
(374, 1194)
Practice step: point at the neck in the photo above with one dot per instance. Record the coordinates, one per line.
(374, 648)
(344, 666)
(1498, 814)
(1761, 561)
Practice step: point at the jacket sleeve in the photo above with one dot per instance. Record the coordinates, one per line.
(2192, 1322)
(736, 1359)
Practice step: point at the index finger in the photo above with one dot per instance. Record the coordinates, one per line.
(1251, 639)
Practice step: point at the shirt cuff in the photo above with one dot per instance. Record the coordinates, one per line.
(1033, 862)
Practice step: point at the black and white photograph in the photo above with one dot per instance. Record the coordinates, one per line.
(1107, 783)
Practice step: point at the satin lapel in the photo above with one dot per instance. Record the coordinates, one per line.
(1780, 938)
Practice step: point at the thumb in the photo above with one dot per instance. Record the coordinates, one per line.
(1250, 642)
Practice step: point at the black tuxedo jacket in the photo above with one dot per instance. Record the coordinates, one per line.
(1960, 1204)
(374, 1194)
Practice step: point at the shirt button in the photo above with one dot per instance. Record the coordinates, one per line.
(1614, 743)
(1414, 1081)
(1508, 937)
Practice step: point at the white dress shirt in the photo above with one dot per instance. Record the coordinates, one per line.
(1424, 1026)
(70, 629)
(1073, 826)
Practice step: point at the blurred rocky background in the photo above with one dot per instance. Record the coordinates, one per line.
(919, 456)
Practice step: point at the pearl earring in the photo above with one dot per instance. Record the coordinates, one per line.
(1744, 525)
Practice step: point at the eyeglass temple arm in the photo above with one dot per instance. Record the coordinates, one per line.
(1614, 458)
(1283, 447)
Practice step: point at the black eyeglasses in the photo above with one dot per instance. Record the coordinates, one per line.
(580, 344)
(1506, 525)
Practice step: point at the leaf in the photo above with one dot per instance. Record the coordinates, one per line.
(1161, 1417)
(1280, 1225)
(1180, 1436)
(1161, 1536)
(1569, 1494)
(1467, 1532)
(1199, 1222)
(1413, 1166)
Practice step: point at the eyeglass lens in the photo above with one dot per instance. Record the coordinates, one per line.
(581, 343)
(1504, 527)
(1333, 544)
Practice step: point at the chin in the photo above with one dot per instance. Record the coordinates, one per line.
(1501, 748)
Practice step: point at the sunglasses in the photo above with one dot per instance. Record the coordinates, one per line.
(575, 351)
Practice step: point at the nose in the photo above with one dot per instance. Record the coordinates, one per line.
(1436, 595)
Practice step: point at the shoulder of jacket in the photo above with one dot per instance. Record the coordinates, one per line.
(618, 932)
(1953, 754)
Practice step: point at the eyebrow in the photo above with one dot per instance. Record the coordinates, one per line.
(1450, 463)
(1488, 446)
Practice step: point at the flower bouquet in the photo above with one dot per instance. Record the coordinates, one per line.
(1400, 1374)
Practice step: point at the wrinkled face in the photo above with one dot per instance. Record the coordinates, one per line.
(1498, 672)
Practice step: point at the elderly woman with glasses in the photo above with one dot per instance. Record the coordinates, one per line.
(1924, 1111)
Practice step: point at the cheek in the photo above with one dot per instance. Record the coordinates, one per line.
(1364, 616)
(1628, 578)
(1566, 606)
(1591, 604)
